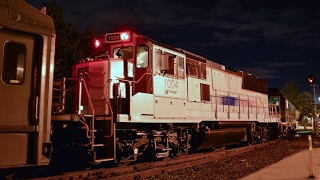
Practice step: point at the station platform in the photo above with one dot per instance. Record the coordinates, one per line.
(295, 167)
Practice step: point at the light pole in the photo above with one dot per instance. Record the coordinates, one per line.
(312, 81)
(315, 109)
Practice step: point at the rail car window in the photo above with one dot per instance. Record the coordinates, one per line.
(14, 63)
(142, 59)
(123, 52)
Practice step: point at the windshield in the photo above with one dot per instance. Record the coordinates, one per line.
(123, 52)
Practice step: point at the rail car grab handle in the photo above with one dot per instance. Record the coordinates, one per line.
(79, 98)
(36, 115)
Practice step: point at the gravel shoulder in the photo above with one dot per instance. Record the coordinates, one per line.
(241, 165)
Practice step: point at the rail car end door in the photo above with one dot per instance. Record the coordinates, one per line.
(17, 137)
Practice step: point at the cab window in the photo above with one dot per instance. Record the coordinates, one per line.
(14, 63)
(142, 56)
(123, 52)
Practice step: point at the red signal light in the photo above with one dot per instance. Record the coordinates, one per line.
(96, 43)
(311, 79)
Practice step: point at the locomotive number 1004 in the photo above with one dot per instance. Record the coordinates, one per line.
(171, 83)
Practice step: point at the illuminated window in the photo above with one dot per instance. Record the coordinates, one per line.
(123, 52)
(142, 56)
(14, 63)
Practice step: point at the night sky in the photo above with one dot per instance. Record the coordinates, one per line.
(277, 40)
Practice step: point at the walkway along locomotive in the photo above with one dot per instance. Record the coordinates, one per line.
(138, 98)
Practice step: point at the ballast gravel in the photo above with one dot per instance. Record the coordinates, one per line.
(236, 167)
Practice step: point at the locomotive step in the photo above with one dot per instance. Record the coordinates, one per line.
(97, 118)
(103, 160)
(99, 145)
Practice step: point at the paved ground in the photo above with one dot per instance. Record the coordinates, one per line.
(300, 166)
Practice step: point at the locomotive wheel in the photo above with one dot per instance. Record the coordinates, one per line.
(125, 155)
(285, 133)
(124, 161)
(175, 150)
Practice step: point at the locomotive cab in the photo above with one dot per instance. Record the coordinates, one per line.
(142, 79)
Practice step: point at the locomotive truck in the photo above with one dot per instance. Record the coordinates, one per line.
(136, 98)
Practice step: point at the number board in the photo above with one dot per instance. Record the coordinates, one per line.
(117, 37)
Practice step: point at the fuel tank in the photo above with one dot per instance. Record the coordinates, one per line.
(218, 137)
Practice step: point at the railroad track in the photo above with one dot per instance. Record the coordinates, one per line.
(144, 170)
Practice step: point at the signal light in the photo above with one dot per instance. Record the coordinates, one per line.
(311, 79)
(96, 43)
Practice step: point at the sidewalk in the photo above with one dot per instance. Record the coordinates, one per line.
(295, 167)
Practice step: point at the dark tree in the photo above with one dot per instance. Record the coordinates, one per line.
(291, 91)
(68, 42)
(88, 42)
(304, 105)
(302, 101)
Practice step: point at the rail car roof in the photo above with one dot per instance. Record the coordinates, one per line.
(17, 14)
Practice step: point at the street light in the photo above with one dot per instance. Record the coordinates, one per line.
(311, 79)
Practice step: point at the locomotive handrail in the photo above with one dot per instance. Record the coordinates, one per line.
(82, 81)
(121, 79)
(85, 125)
(111, 112)
(93, 113)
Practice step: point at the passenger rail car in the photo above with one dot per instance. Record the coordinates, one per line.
(27, 43)
(283, 109)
